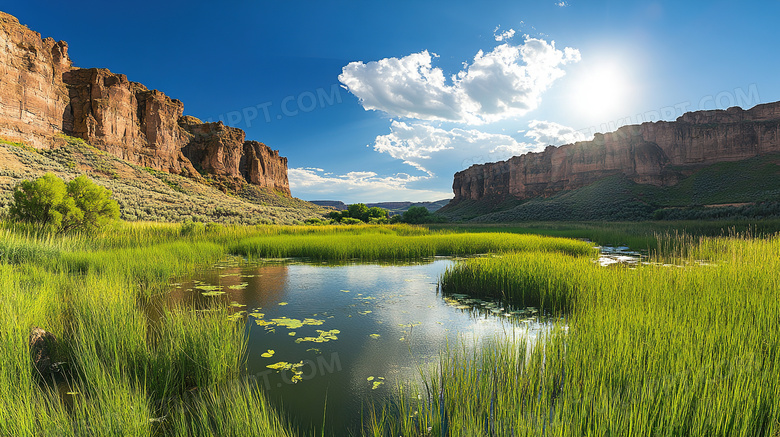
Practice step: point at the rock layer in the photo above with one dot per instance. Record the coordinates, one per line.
(657, 153)
(32, 95)
(263, 166)
(41, 95)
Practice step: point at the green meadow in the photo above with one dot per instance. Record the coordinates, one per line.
(686, 344)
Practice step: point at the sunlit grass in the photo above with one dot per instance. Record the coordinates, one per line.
(688, 345)
(674, 349)
(382, 246)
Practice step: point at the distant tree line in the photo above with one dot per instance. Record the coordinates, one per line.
(360, 213)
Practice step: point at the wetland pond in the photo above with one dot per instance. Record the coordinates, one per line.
(346, 333)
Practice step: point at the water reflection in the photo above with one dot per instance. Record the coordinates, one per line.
(382, 323)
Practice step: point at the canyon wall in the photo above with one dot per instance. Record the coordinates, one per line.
(33, 97)
(42, 95)
(657, 153)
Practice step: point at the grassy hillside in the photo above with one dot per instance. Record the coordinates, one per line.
(728, 190)
(751, 180)
(146, 194)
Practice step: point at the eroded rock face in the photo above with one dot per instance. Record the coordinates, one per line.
(32, 94)
(264, 167)
(41, 95)
(125, 119)
(215, 148)
(651, 153)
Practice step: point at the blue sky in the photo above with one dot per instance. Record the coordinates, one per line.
(384, 101)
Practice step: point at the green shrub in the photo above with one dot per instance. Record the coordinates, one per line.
(51, 204)
(351, 221)
(315, 221)
(418, 215)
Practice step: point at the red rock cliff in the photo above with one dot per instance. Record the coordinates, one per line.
(262, 166)
(651, 153)
(32, 95)
(42, 95)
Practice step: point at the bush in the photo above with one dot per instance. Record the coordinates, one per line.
(315, 222)
(418, 215)
(49, 203)
(351, 221)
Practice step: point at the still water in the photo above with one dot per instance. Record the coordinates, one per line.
(347, 333)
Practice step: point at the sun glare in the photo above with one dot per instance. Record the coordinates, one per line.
(602, 90)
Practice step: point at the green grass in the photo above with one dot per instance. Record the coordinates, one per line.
(751, 180)
(129, 367)
(383, 246)
(656, 350)
(687, 349)
(126, 368)
(636, 235)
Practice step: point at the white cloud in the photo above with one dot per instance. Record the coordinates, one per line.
(550, 133)
(505, 35)
(415, 142)
(503, 83)
(359, 186)
(542, 134)
(561, 4)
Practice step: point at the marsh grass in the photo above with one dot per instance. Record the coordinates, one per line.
(128, 374)
(232, 410)
(382, 246)
(121, 369)
(667, 349)
(686, 345)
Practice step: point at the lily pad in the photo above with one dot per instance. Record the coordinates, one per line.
(209, 287)
(324, 336)
(376, 382)
(313, 322)
(268, 354)
(374, 336)
(294, 368)
(288, 323)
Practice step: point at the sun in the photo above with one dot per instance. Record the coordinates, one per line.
(602, 90)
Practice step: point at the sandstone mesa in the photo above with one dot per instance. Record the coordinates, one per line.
(658, 153)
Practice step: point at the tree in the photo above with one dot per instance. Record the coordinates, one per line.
(36, 201)
(335, 215)
(358, 211)
(377, 214)
(416, 215)
(49, 203)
